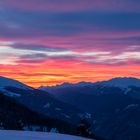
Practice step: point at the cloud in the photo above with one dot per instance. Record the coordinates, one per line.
(37, 48)
(38, 37)
(126, 58)
(39, 74)
(26, 23)
(73, 5)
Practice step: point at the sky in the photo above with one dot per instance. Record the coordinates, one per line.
(48, 42)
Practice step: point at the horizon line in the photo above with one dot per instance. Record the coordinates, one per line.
(69, 82)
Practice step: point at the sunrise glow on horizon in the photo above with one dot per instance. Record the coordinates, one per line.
(49, 42)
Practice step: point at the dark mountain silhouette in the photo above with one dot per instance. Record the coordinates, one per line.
(114, 105)
(11, 112)
(39, 101)
(33, 106)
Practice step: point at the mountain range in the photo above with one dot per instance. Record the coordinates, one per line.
(114, 105)
(44, 105)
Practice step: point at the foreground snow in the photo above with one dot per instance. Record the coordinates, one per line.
(26, 135)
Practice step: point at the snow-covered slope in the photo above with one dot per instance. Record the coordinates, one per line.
(121, 82)
(39, 101)
(25, 135)
(7, 82)
(66, 85)
(113, 104)
(124, 85)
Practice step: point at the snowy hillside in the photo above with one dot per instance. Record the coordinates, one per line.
(120, 82)
(7, 82)
(123, 82)
(25, 135)
(124, 85)
(39, 101)
(114, 105)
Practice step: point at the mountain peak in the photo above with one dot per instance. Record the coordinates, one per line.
(7, 82)
(123, 82)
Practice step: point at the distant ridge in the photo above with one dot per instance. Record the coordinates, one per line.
(123, 82)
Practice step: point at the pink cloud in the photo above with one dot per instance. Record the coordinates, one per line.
(73, 5)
